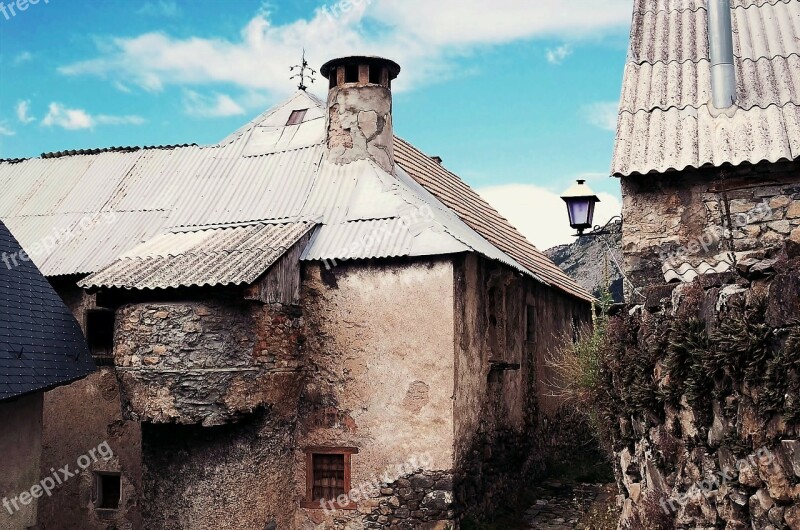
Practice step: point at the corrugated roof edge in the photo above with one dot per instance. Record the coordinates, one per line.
(651, 110)
(120, 149)
(667, 170)
(756, 4)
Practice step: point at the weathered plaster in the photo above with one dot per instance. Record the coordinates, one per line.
(381, 351)
(501, 416)
(21, 448)
(360, 125)
(77, 419)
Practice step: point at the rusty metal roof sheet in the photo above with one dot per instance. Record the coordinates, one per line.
(213, 256)
(264, 172)
(666, 120)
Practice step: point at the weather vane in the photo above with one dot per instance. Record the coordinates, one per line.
(303, 67)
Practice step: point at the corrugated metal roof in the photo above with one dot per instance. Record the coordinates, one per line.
(214, 256)
(479, 215)
(666, 119)
(252, 176)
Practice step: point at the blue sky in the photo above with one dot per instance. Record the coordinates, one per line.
(517, 96)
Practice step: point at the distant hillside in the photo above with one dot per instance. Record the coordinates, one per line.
(587, 260)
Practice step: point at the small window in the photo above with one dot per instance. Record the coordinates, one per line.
(351, 73)
(328, 482)
(328, 476)
(375, 74)
(108, 491)
(530, 324)
(297, 117)
(100, 333)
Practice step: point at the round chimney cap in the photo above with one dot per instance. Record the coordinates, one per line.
(393, 67)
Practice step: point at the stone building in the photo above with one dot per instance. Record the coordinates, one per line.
(311, 324)
(703, 185)
(41, 348)
(707, 151)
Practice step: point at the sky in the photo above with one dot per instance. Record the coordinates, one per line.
(519, 97)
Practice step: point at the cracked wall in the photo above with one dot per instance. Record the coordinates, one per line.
(360, 125)
(381, 352)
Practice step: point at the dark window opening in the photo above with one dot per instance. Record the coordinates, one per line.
(576, 329)
(351, 73)
(297, 117)
(333, 79)
(375, 74)
(108, 491)
(100, 333)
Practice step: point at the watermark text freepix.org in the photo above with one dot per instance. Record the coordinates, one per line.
(11, 9)
(58, 477)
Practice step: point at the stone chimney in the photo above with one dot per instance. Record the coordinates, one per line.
(359, 122)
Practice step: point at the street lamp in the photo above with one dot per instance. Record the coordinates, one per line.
(580, 201)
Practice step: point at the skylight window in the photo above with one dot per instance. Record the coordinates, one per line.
(297, 117)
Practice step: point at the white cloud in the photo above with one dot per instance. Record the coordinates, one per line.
(602, 114)
(215, 106)
(76, 119)
(5, 130)
(104, 119)
(23, 57)
(557, 55)
(540, 214)
(424, 45)
(71, 119)
(22, 109)
(162, 8)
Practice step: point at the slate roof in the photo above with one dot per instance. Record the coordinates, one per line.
(666, 121)
(264, 172)
(41, 344)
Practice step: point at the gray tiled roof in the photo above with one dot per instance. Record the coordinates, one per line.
(666, 120)
(41, 344)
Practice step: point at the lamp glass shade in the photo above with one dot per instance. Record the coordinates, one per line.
(581, 212)
(581, 201)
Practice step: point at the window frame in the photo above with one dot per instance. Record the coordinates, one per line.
(296, 117)
(107, 357)
(316, 504)
(98, 496)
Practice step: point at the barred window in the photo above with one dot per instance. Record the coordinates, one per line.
(328, 476)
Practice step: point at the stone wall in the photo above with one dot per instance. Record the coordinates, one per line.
(421, 501)
(699, 216)
(206, 361)
(703, 385)
(502, 408)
